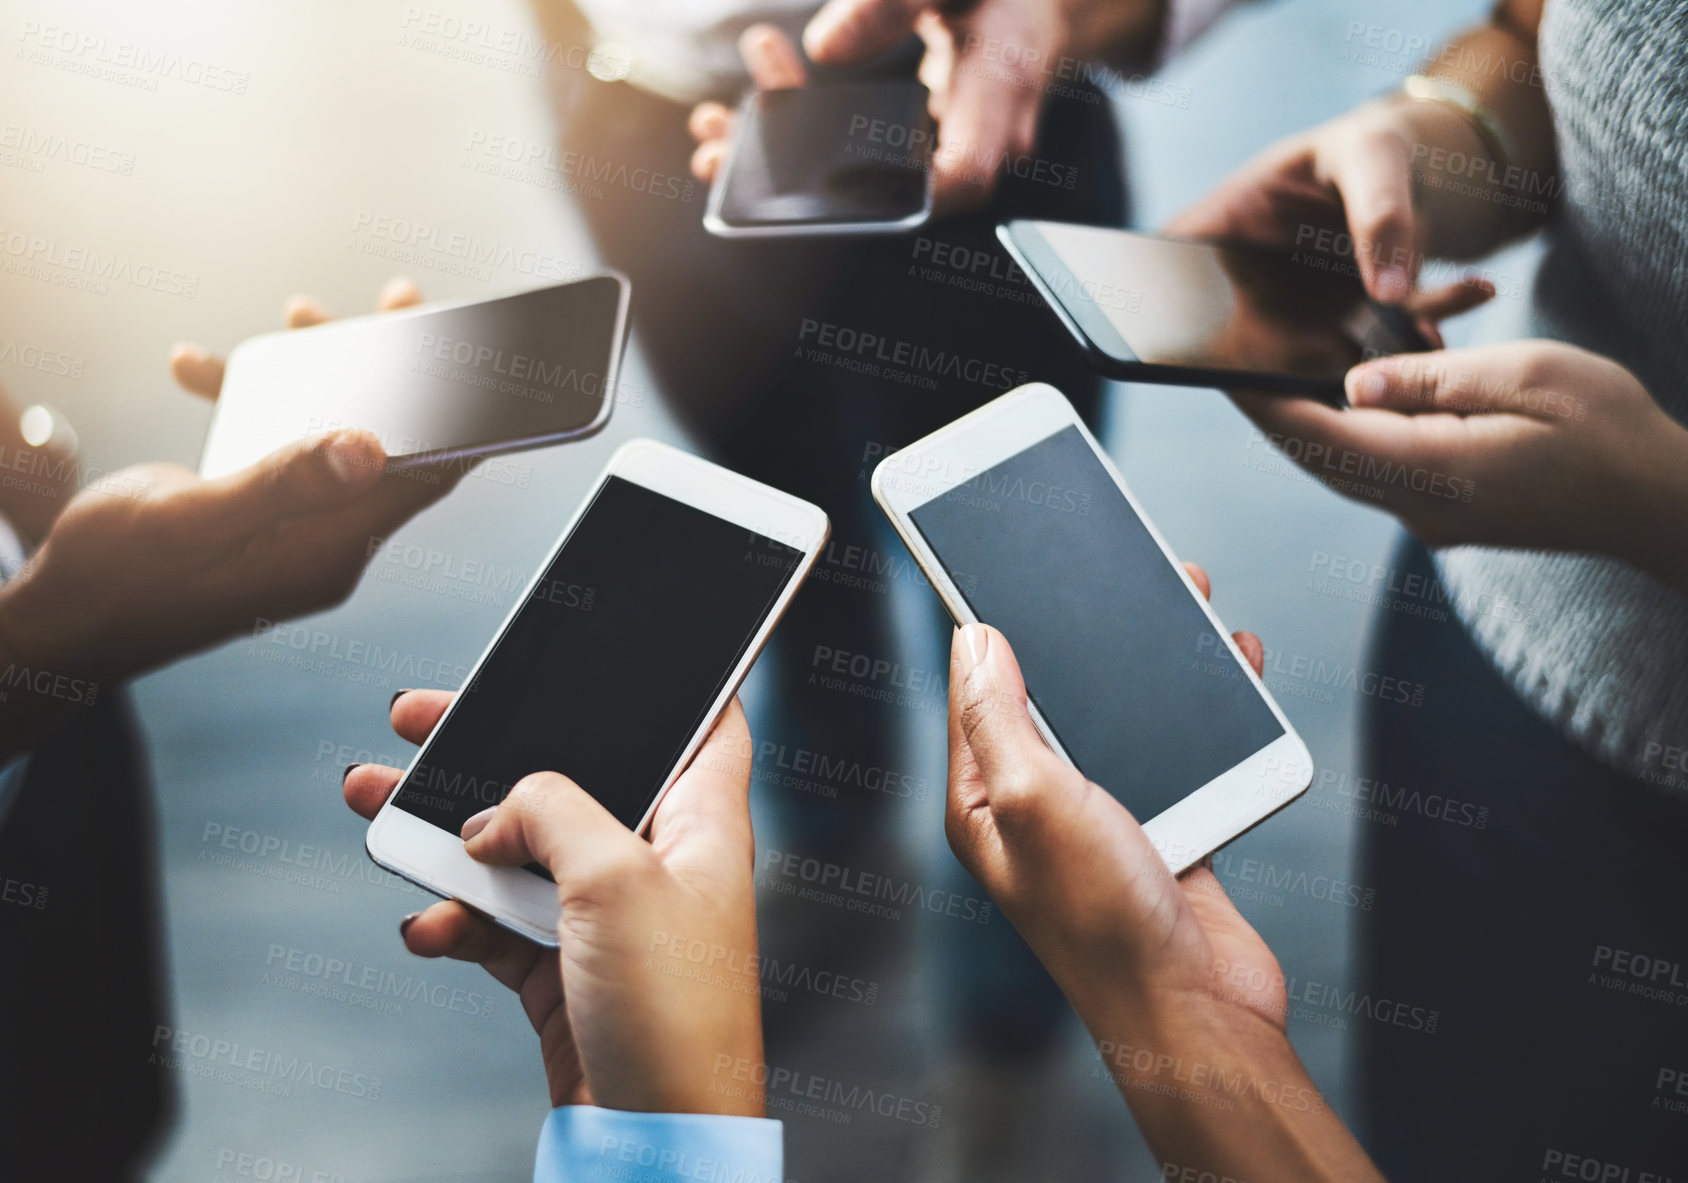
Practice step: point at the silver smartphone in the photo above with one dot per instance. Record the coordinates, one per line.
(434, 383)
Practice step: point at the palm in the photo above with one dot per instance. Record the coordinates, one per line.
(1243, 970)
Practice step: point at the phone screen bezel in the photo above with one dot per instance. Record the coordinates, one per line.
(434, 858)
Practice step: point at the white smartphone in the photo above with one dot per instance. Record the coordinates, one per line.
(611, 670)
(1021, 521)
(434, 383)
(843, 158)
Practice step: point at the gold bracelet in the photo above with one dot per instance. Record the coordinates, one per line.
(1423, 89)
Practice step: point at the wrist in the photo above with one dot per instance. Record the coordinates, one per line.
(1455, 175)
(1217, 1088)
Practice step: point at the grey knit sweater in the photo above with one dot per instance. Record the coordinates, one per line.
(1594, 645)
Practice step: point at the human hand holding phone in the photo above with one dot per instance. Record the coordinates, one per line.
(1460, 444)
(152, 562)
(986, 65)
(619, 1026)
(1186, 1003)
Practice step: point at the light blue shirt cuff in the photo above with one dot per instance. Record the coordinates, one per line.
(583, 1142)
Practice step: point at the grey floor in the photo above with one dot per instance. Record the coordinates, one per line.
(350, 115)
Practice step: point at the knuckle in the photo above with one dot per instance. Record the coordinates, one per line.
(1017, 796)
(534, 792)
(622, 869)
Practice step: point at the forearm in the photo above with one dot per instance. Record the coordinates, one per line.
(1219, 1092)
(1655, 534)
(1474, 202)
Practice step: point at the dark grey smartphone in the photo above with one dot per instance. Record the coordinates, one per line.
(1168, 310)
(833, 158)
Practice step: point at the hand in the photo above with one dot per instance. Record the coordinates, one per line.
(1529, 444)
(1021, 820)
(1186, 1003)
(152, 563)
(987, 65)
(1345, 192)
(653, 1000)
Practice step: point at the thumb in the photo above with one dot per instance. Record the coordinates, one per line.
(300, 478)
(549, 819)
(703, 824)
(1449, 381)
(845, 32)
(999, 764)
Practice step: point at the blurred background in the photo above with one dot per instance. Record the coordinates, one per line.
(284, 170)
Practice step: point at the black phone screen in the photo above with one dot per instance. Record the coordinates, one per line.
(840, 153)
(1121, 661)
(612, 662)
(1206, 306)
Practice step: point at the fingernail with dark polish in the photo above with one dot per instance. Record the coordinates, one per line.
(405, 924)
(348, 772)
(397, 694)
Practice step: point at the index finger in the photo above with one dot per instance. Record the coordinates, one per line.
(771, 58)
(844, 32)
